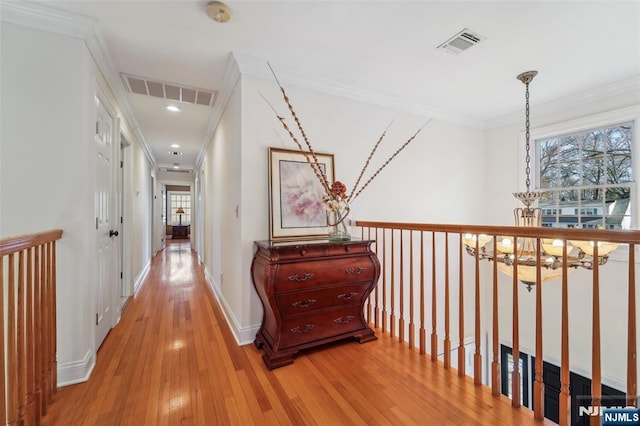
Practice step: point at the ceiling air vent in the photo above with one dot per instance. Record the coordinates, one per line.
(461, 41)
(166, 90)
(167, 169)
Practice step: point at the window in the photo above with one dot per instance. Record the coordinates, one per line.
(177, 200)
(586, 177)
(506, 374)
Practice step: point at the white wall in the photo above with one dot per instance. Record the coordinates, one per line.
(43, 165)
(48, 86)
(221, 227)
(505, 174)
(438, 167)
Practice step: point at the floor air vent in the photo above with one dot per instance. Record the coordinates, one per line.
(461, 41)
(166, 90)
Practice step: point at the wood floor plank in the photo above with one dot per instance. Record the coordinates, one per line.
(172, 360)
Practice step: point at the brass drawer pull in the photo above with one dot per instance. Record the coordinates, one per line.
(307, 328)
(299, 278)
(357, 271)
(346, 320)
(304, 303)
(347, 296)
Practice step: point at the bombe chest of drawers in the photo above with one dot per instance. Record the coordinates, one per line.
(313, 293)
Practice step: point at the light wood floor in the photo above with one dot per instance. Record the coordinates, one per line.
(173, 361)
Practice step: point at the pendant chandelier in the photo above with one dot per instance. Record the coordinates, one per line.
(524, 250)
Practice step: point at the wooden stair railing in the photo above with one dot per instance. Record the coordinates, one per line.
(28, 369)
(392, 316)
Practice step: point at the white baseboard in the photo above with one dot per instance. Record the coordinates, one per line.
(141, 276)
(70, 373)
(242, 335)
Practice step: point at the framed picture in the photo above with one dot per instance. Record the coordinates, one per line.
(296, 209)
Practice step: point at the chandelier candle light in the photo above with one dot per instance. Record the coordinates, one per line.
(335, 199)
(524, 253)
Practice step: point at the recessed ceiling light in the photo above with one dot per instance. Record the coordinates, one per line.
(176, 167)
(174, 145)
(172, 108)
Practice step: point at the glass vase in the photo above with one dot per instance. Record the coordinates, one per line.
(337, 223)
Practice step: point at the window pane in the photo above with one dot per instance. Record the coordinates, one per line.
(548, 151)
(569, 161)
(619, 168)
(593, 154)
(618, 208)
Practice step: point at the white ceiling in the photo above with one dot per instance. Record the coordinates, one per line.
(385, 48)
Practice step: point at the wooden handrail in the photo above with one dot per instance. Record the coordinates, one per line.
(28, 364)
(394, 314)
(612, 236)
(24, 242)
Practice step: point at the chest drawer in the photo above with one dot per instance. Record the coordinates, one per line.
(305, 275)
(306, 301)
(311, 327)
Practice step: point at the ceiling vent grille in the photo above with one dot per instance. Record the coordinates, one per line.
(166, 90)
(461, 41)
(167, 169)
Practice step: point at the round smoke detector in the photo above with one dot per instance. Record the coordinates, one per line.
(218, 11)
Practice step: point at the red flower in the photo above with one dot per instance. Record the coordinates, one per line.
(339, 189)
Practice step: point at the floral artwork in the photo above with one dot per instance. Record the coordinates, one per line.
(301, 194)
(296, 205)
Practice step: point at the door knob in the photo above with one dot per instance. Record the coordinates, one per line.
(113, 233)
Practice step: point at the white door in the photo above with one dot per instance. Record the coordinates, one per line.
(106, 226)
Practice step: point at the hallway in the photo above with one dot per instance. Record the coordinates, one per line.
(173, 361)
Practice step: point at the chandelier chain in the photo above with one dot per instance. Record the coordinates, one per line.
(528, 157)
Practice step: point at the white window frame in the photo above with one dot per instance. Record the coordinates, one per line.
(612, 117)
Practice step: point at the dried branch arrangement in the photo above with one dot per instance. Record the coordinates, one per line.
(312, 159)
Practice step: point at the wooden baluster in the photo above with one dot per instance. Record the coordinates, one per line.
(461, 352)
(447, 338)
(495, 364)
(401, 293)
(370, 295)
(12, 371)
(423, 331)
(376, 312)
(515, 380)
(384, 280)
(632, 362)
(538, 385)
(3, 395)
(32, 412)
(54, 322)
(565, 398)
(434, 311)
(21, 338)
(477, 356)
(45, 329)
(392, 321)
(596, 380)
(37, 327)
(412, 327)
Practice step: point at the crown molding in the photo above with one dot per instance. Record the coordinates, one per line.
(42, 17)
(593, 95)
(229, 81)
(98, 48)
(255, 67)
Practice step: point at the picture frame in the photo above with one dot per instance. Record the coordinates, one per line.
(296, 209)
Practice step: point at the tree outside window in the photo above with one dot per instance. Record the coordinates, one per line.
(586, 178)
